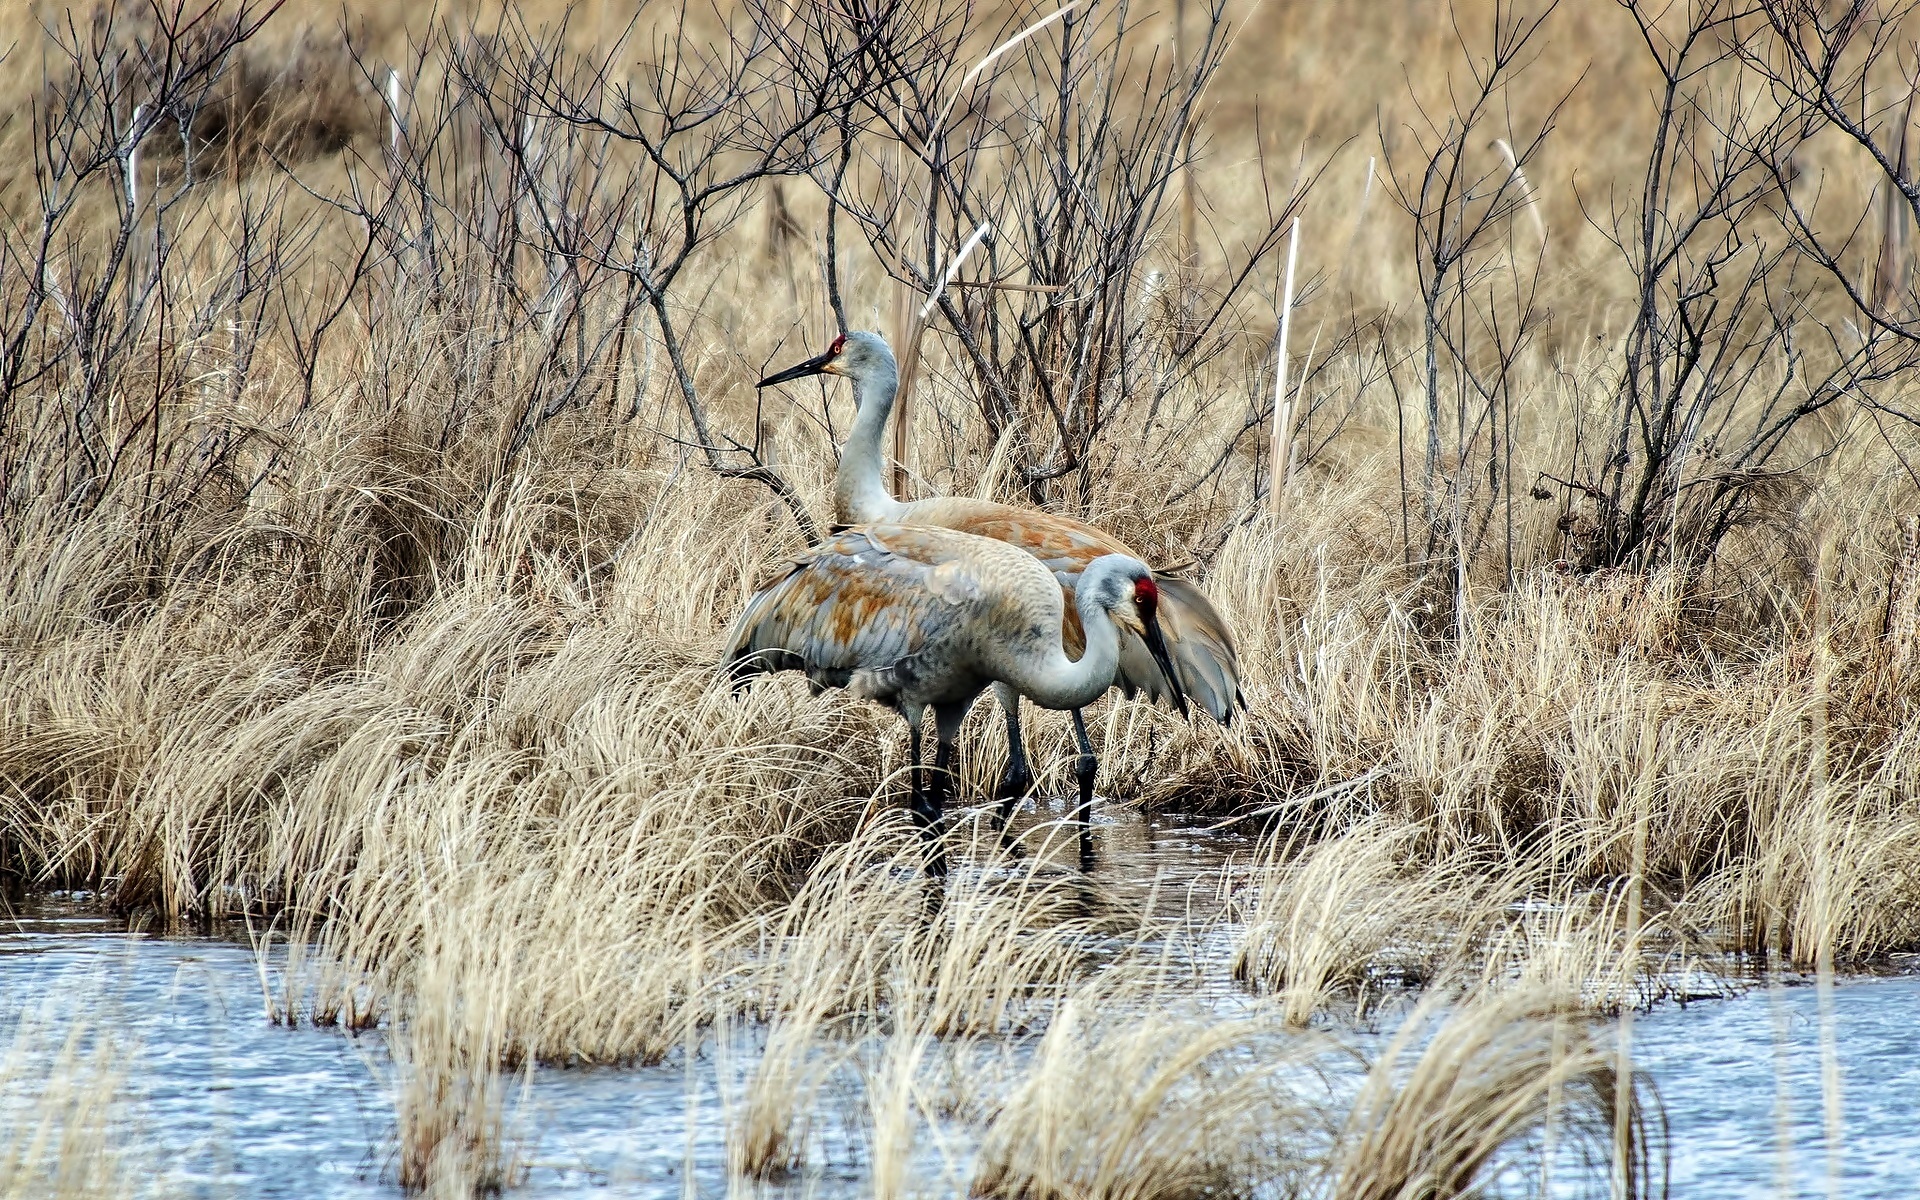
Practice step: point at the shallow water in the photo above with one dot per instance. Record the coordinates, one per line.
(1741, 1080)
(226, 1103)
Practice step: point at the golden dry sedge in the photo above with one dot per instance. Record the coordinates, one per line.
(371, 528)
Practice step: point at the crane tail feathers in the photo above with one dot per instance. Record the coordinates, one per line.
(1201, 647)
(748, 651)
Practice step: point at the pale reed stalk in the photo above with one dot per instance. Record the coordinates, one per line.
(1642, 798)
(916, 325)
(1893, 269)
(1528, 200)
(396, 125)
(1782, 1079)
(1823, 898)
(911, 325)
(1282, 403)
(134, 138)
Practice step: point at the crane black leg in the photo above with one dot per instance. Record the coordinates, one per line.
(923, 804)
(923, 800)
(1084, 771)
(913, 770)
(1018, 780)
(937, 787)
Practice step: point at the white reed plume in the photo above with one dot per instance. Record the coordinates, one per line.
(1282, 404)
(1642, 798)
(1823, 898)
(396, 126)
(953, 268)
(50, 287)
(530, 143)
(1346, 265)
(1893, 269)
(1359, 220)
(1150, 287)
(910, 336)
(996, 462)
(910, 354)
(967, 80)
(1527, 200)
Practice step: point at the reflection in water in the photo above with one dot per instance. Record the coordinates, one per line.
(228, 1104)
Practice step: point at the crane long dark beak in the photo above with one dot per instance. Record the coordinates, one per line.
(813, 366)
(1157, 646)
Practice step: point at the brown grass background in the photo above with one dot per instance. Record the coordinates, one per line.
(451, 731)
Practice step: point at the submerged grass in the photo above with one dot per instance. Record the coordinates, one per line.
(1435, 1119)
(1148, 1104)
(63, 1111)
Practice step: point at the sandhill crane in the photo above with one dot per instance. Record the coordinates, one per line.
(1205, 664)
(918, 617)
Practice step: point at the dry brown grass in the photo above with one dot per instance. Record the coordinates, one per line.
(1148, 1105)
(1502, 1069)
(446, 722)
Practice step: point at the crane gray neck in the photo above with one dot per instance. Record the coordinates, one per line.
(1076, 684)
(859, 487)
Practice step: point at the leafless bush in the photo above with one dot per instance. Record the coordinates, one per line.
(1478, 307)
(371, 522)
(104, 385)
(290, 99)
(1749, 322)
(1752, 316)
(702, 128)
(1064, 143)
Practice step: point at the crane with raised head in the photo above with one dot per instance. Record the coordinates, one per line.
(918, 617)
(1203, 662)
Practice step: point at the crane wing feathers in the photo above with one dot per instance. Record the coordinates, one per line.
(1064, 544)
(1201, 646)
(865, 600)
(1198, 639)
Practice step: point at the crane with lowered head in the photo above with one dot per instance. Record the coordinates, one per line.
(1201, 661)
(918, 617)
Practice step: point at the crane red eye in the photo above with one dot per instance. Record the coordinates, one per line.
(839, 344)
(1146, 594)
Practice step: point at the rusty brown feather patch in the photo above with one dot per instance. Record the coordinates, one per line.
(1041, 534)
(849, 599)
(853, 604)
(1066, 546)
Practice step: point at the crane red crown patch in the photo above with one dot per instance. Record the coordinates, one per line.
(1146, 593)
(839, 344)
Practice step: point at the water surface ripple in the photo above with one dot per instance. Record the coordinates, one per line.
(226, 1104)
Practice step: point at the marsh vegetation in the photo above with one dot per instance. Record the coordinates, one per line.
(380, 465)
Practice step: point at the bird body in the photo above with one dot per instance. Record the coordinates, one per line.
(914, 617)
(1201, 660)
(1198, 639)
(918, 617)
